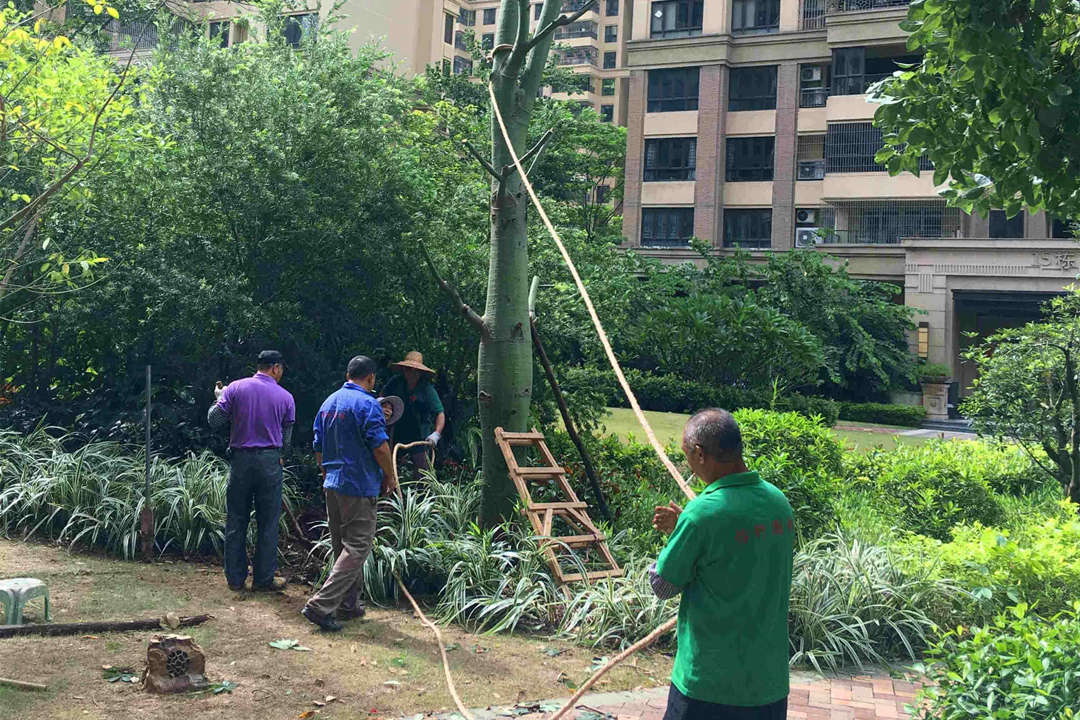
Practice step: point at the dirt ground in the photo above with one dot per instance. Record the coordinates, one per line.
(384, 666)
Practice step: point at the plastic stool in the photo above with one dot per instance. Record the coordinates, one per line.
(16, 592)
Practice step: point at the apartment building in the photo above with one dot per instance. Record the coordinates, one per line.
(748, 127)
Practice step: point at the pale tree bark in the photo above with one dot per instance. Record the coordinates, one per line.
(504, 369)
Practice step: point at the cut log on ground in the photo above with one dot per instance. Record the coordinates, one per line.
(7, 631)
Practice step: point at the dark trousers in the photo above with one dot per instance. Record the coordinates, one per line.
(254, 481)
(680, 707)
(352, 532)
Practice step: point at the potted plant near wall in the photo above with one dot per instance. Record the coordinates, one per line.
(934, 378)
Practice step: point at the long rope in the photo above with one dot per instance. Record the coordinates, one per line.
(416, 608)
(589, 306)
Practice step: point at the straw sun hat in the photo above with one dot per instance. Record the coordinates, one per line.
(413, 360)
(397, 406)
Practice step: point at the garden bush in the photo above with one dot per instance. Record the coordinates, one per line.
(884, 413)
(92, 495)
(1038, 564)
(804, 441)
(671, 393)
(936, 485)
(1018, 666)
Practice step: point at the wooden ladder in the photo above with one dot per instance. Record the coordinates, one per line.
(542, 514)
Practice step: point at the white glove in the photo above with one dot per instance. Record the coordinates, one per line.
(434, 438)
(219, 390)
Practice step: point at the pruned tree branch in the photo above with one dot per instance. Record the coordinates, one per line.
(482, 160)
(557, 23)
(535, 150)
(467, 312)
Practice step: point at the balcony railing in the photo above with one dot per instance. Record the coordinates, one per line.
(570, 6)
(856, 84)
(813, 97)
(577, 30)
(130, 35)
(813, 15)
(842, 6)
(575, 56)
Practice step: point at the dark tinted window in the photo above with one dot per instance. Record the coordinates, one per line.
(748, 228)
(670, 158)
(667, 227)
(749, 159)
(1004, 227)
(489, 16)
(753, 88)
(671, 90)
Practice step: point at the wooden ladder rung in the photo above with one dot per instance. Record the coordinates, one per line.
(540, 507)
(521, 437)
(594, 575)
(573, 541)
(541, 471)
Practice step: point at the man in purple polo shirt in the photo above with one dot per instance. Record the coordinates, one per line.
(260, 415)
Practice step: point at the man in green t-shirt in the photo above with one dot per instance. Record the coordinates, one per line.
(423, 418)
(730, 556)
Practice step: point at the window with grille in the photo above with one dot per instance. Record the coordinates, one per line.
(467, 18)
(752, 88)
(748, 228)
(850, 148)
(1006, 227)
(811, 157)
(578, 56)
(855, 69)
(448, 29)
(813, 15)
(672, 90)
(755, 16)
(670, 159)
(667, 227)
(923, 340)
(607, 86)
(607, 113)
(487, 41)
(489, 16)
(886, 222)
(220, 30)
(609, 60)
(676, 18)
(462, 66)
(299, 26)
(611, 33)
(459, 40)
(749, 159)
(612, 8)
(813, 85)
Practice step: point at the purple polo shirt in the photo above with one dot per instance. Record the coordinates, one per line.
(257, 408)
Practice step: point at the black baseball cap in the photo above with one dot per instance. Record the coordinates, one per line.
(271, 357)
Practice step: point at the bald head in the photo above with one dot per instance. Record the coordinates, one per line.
(716, 433)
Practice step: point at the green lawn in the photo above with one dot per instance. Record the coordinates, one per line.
(668, 428)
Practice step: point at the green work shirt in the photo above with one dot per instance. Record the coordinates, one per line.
(422, 405)
(731, 554)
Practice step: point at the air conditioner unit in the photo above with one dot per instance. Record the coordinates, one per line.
(807, 237)
(810, 73)
(811, 169)
(806, 216)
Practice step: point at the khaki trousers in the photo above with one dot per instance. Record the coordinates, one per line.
(352, 530)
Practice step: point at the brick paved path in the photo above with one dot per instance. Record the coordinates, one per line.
(813, 697)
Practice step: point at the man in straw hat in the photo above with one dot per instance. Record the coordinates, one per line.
(352, 450)
(423, 418)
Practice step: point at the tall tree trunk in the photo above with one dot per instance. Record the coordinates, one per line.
(505, 359)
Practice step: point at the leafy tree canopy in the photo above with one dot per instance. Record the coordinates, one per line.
(994, 104)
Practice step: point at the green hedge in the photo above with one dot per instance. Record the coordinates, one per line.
(670, 393)
(886, 414)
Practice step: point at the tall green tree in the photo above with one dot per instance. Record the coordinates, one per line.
(1028, 390)
(994, 103)
(504, 365)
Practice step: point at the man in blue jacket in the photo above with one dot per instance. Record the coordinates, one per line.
(353, 453)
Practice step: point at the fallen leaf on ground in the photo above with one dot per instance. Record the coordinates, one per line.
(288, 644)
(331, 698)
(306, 714)
(319, 682)
(453, 646)
(551, 651)
(392, 684)
(599, 662)
(89, 637)
(225, 686)
(171, 621)
(318, 703)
